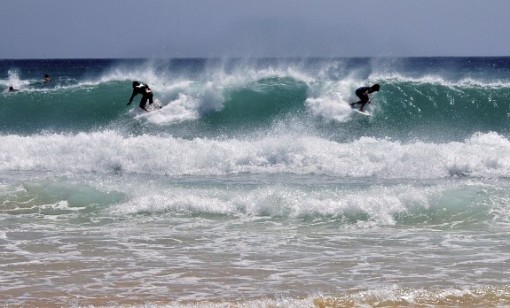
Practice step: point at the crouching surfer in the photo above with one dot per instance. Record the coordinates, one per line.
(145, 91)
(362, 94)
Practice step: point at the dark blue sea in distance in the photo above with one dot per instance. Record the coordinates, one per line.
(255, 184)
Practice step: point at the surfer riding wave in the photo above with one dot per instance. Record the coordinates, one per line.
(362, 94)
(145, 91)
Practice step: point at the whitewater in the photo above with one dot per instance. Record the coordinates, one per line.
(255, 184)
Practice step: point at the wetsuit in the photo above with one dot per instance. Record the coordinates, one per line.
(146, 93)
(362, 94)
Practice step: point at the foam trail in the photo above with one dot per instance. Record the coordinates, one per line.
(332, 100)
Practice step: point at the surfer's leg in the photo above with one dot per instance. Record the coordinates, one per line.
(143, 102)
(149, 97)
(362, 106)
(363, 99)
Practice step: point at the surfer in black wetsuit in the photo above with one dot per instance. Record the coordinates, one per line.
(145, 91)
(362, 94)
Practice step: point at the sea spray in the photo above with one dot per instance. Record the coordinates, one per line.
(255, 184)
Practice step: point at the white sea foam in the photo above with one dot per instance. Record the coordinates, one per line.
(106, 218)
(437, 79)
(482, 155)
(187, 98)
(331, 99)
(14, 80)
(379, 203)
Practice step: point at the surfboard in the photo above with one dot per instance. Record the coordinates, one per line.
(138, 112)
(154, 106)
(365, 113)
(355, 108)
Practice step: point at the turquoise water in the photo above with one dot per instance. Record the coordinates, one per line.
(213, 97)
(255, 184)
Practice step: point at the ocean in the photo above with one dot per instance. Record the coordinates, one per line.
(255, 185)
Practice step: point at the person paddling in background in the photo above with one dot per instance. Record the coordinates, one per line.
(47, 78)
(362, 94)
(12, 89)
(145, 91)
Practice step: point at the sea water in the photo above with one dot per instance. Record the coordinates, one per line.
(255, 185)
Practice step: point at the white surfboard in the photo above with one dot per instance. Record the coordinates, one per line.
(138, 112)
(365, 113)
(156, 105)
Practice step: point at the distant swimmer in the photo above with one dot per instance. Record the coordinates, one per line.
(362, 94)
(12, 89)
(47, 78)
(145, 91)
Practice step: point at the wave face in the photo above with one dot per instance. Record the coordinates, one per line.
(419, 98)
(255, 181)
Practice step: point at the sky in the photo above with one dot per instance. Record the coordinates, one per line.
(39, 29)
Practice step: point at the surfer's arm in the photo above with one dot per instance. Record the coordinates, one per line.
(131, 98)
